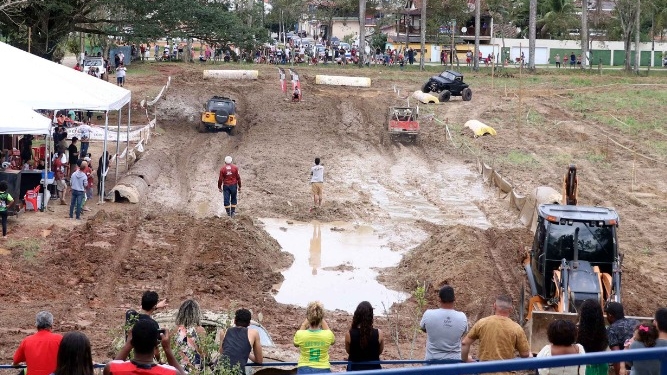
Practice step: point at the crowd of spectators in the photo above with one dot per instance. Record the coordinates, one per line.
(448, 339)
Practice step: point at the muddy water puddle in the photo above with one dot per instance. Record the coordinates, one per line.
(335, 263)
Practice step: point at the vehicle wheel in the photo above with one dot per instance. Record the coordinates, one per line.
(426, 87)
(445, 96)
(466, 94)
(234, 130)
(221, 116)
(202, 127)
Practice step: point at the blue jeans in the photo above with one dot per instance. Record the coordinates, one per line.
(77, 199)
(84, 150)
(311, 370)
(229, 194)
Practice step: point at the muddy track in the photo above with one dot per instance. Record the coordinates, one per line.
(114, 267)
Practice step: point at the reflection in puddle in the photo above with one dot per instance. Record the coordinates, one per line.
(335, 263)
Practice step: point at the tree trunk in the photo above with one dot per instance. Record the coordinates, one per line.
(637, 35)
(477, 27)
(422, 36)
(532, 34)
(627, 44)
(362, 32)
(584, 34)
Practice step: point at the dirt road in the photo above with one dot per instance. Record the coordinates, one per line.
(425, 199)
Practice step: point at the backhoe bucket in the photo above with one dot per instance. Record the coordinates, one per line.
(536, 327)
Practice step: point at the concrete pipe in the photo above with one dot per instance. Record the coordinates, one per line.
(342, 81)
(425, 98)
(231, 74)
(129, 188)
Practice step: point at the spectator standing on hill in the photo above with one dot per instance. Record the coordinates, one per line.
(90, 182)
(39, 351)
(74, 355)
(229, 184)
(557, 58)
(6, 201)
(573, 59)
(144, 338)
(314, 339)
(78, 184)
(241, 343)
(317, 183)
(592, 334)
(499, 336)
(189, 336)
(363, 342)
(444, 328)
(562, 336)
(102, 169)
(59, 175)
(620, 329)
(120, 75)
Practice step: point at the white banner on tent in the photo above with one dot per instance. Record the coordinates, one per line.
(137, 133)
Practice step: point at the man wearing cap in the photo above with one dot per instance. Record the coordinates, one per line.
(39, 351)
(229, 183)
(444, 328)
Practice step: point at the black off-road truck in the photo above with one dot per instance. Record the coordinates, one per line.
(448, 83)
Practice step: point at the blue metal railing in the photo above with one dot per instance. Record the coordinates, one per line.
(659, 354)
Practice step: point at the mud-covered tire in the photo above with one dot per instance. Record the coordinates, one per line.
(234, 130)
(445, 96)
(426, 88)
(221, 116)
(202, 127)
(466, 94)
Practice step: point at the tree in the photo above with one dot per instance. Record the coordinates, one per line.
(637, 36)
(8, 4)
(558, 17)
(478, 15)
(422, 34)
(532, 30)
(625, 12)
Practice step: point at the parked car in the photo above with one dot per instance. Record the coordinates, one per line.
(98, 62)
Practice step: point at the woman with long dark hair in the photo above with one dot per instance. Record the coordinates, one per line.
(592, 334)
(363, 342)
(74, 355)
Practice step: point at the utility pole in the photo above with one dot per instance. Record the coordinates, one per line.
(422, 29)
(584, 33)
(452, 31)
(532, 33)
(362, 32)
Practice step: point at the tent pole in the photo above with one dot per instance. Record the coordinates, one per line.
(120, 115)
(46, 172)
(127, 153)
(105, 158)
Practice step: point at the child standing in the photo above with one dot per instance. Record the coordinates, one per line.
(6, 201)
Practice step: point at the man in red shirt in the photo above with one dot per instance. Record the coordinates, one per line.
(39, 351)
(144, 338)
(229, 183)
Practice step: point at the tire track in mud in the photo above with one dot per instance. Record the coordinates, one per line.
(178, 276)
(106, 285)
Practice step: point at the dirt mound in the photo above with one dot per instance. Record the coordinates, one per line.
(105, 265)
(479, 264)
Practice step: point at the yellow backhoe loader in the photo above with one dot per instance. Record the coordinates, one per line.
(574, 257)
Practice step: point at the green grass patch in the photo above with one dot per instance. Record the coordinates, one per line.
(595, 157)
(28, 247)
(515, 157)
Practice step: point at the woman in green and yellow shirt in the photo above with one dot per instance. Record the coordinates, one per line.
(314, 339)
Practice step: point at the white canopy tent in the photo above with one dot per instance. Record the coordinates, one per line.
(17, 118)
(43, 84)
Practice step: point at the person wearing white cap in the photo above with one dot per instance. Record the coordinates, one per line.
(229, 184)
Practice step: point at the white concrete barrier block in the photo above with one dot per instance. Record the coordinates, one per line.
(425, 98)
(231, 74)
(342, 81)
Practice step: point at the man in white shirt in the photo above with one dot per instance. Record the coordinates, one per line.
(84, 130)
(316, 183)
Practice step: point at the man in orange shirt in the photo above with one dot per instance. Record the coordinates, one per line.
(40, 351)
